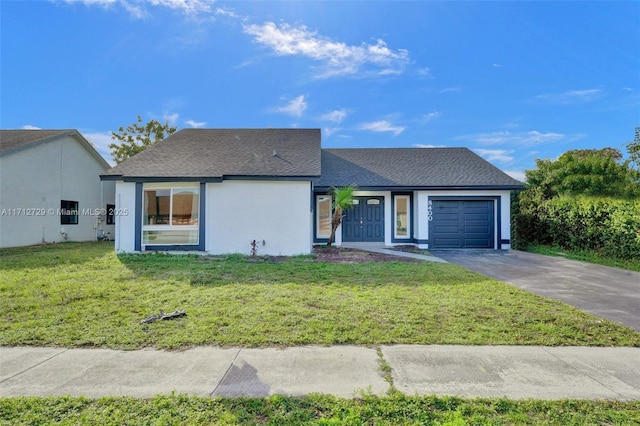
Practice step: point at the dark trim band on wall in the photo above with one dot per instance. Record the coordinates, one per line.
(137, 242)
(174, 248)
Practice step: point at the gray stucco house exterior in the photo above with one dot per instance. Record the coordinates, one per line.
(50, 189)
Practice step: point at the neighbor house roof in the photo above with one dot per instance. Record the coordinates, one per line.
(12, 141)
(220, 153)
(412, 168)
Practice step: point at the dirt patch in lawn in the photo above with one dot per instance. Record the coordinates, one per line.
(347, 255)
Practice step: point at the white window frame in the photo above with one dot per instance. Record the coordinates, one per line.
(395, 217)
(322, 198)
(170, 227)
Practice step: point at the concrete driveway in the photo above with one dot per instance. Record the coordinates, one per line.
(609, 293)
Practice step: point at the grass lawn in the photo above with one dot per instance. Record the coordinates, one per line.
(397, 409)
(82, 294)
(590, 256)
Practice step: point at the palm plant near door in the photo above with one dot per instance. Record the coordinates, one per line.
(342, 200)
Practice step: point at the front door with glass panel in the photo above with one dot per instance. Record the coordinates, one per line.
(365, 221)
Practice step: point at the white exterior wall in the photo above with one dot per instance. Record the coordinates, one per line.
(125, 217)
(277, 214)
(37, 179)
(421, 199)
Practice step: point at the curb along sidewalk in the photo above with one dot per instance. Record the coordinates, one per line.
(345, 371)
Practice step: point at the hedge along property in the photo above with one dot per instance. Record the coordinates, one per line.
(218, 190)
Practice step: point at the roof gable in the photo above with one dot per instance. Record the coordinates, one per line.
(220, 153)
(410, 167)
(12, 141)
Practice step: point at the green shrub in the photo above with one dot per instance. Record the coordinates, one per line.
(609, 226)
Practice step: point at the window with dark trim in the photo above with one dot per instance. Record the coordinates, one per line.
(111, 217)
(402, 216)
(68, 212)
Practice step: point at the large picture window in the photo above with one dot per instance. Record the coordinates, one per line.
(401, 216)
(323, 216)
(170, 216)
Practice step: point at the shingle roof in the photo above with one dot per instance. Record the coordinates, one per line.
(410, 167)
(15, 139)
(216, 153)
(12, 141)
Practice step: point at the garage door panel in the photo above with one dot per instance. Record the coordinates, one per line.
(448, 229)
(480, 217)
(446, 242)
(462, 224)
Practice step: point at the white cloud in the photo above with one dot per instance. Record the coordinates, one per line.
(421, 145)
(101, 141)
(430, 116)
(337, 58)
(171, 117)
(30, 127)
(570, 97)
(335, 116)
(517, 175)
(454, 89)
(500, 155)
(187, 6)
(328, 131)
(535, 137)
(523, 138)
(425, 72)
(223, 11)
(138, 8)
(295, 107)
(382, 126)
(195, 124)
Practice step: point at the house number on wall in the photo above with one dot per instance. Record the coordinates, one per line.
(430, 210)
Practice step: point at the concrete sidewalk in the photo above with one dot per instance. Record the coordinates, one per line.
(467, 371)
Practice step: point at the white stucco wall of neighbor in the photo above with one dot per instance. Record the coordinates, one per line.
(33, 182)
(125, 218)
(421, 200)
(276, 214)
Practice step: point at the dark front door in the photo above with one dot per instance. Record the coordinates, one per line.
(462, 224)
(365, 221)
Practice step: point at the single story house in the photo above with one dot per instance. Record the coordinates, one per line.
(50, 189)
(220, 190)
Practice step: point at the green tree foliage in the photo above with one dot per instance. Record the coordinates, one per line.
(136, 137)
(633, 148)
(610, 226)
(342, 200)
(599, 172)
(586, 199)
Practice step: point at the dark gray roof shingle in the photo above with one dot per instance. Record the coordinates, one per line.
(410, 167)
(12, 141)
(15, 139)
(216, 153)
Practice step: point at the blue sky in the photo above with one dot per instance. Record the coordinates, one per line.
(513, 81)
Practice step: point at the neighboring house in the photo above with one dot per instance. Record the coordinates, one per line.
(50, 188)
(219, 190)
